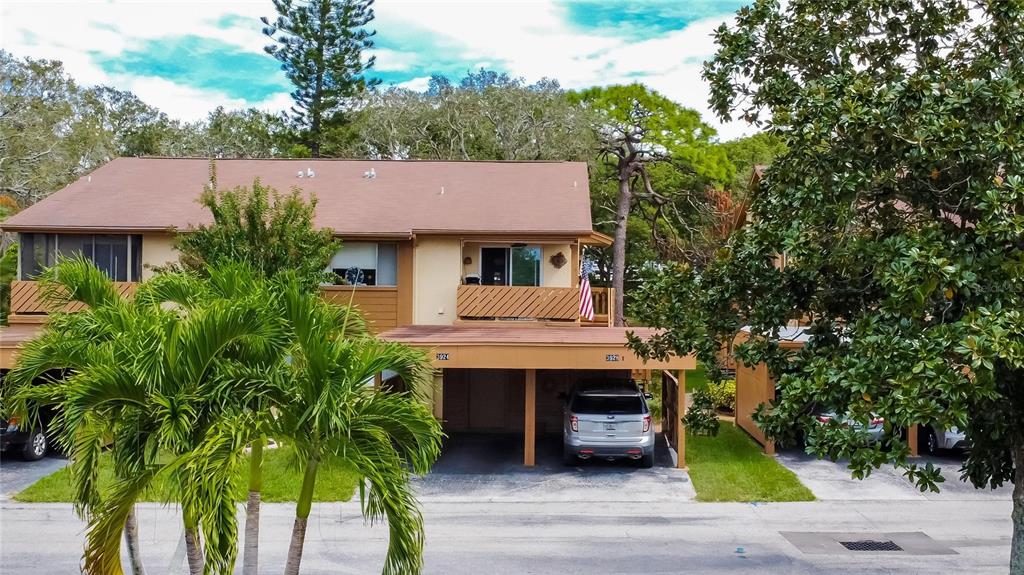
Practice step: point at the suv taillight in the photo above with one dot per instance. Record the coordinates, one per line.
(877, 421)
(647, 423)
(574, 423)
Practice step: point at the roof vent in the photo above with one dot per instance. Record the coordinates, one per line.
(300, 173)
(310, 173)
(370, 174)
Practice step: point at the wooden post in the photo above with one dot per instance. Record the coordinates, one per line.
(530, 419)
(912, 440)
(378, 379)
(681, 413)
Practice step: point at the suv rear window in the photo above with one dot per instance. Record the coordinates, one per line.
(624, 404)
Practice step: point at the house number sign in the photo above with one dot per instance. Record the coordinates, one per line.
(613, 357)
(442, 357)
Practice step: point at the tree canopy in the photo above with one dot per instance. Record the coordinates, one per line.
(891, 225)
(655, 162)
(270, 232)
(320, 46)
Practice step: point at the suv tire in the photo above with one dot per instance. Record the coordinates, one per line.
(36, 446)
(647, 461)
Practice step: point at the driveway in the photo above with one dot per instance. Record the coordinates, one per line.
(17, 474)
(832, 481)
(486, 468)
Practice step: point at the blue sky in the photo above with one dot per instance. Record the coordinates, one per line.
(189, 56)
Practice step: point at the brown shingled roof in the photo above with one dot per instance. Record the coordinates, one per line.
(404, 197)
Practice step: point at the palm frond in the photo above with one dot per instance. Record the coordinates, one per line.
(76, 279)
(103, 536)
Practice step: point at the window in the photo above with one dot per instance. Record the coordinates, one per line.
(366, 264)
(516, 265)
(119, 256)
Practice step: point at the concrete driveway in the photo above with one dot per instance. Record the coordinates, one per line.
(485, 468)
(17, 474)
(832, 481)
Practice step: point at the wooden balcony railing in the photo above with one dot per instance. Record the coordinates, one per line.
(27, 303)
(518, 302)
(604, 306)
(379, 305)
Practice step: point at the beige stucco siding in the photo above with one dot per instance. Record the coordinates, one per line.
(157, 250)
(552, 276)
(437, 271)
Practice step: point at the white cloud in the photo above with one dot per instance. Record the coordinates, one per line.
(535, 40)
(529, 39)
(416, 84)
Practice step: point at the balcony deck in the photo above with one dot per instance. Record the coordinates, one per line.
(476, 303)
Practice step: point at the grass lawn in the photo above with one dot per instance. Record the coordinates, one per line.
(281, 482)
(696, 379)
(731, 467)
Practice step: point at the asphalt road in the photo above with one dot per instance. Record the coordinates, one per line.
(568, 537)
(591, 519)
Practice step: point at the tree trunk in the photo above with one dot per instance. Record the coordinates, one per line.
(1017, 544)
(131, 542)
(619, 245)
(251, 549)
(194, 549)
(302, 508)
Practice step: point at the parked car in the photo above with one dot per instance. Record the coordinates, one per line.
(875, 428)
(932, 438)
(30, 442)
(608, 420)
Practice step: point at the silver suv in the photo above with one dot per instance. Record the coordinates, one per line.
(608, 420)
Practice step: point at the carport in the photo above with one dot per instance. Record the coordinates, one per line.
(507, 379)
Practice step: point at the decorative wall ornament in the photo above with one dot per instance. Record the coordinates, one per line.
(466, 261)
(558, 260)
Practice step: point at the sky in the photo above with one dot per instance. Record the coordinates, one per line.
(187, 57)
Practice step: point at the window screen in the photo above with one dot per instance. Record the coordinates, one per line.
(365, 263)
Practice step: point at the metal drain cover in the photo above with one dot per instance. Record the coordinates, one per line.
(846, 543)
(869, 545)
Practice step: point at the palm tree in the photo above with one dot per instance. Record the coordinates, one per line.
(331, 414)
(162, 381)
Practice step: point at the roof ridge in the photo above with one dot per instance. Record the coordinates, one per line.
(406, 160)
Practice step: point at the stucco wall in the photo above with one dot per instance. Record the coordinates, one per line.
(557, 277)
(157, 250)
(437, 271)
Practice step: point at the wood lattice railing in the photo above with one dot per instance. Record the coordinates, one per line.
(27, 302)
(518, 302)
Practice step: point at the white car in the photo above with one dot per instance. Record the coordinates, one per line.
(931, 439)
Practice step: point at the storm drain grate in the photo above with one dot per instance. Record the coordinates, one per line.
(871, 545)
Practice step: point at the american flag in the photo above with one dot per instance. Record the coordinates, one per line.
(586, 298)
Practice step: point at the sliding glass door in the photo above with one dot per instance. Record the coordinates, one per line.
(516, 265)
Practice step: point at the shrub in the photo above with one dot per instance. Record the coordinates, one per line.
(701, 418)
(723, 395)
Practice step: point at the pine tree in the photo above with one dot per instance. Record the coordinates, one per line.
(320, 44)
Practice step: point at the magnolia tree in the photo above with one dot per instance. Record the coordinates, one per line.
(898, 203)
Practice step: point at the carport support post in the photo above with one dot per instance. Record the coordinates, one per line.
(681, 413)
(912, 440)
(530, 419)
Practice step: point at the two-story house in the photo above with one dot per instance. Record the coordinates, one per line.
(475, 261)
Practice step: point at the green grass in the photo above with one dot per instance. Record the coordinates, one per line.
(696, 379)
(281, 482)
(731, 467)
